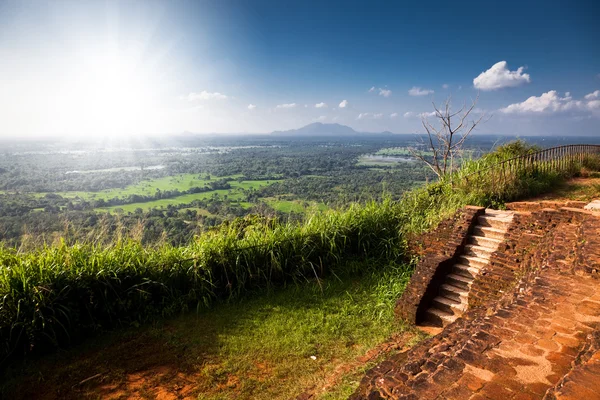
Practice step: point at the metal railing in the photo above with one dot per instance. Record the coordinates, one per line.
(561, 159)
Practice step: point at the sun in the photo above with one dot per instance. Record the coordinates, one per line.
(110, 94)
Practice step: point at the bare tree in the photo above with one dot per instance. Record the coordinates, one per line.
(445, 139)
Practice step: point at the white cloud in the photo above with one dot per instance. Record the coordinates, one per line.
(445, 86)
(343, 104)
(411, 114)
(204, 95)
(370, 116)
(381, 91)
(417, 91)
(498, 77)
(385, 92)
(321, 105)
(551, 102)
(393, 115)
(251, 106)
(288, 105)
(594, 95)
(322, 118)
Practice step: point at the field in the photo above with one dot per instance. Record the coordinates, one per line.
(383, 160)
(296, 206)
(149, 187)
(235, 194)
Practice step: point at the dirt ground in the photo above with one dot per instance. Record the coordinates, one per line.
(585, 188)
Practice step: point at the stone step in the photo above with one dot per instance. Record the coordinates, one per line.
(465, 270)
(448, 305)
(499, 213)
(436, 317)
(459, 281)
(489, 232)
(493, 222)
(454, 293)
(472, 261)
(478, 251)
(490, 243)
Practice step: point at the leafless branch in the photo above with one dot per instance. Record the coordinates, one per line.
(446, 141)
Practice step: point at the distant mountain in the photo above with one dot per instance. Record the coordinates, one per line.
(320, 129)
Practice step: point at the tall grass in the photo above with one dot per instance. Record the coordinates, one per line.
(57, 294)
(423, 208)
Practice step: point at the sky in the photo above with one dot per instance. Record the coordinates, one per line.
(92, 68)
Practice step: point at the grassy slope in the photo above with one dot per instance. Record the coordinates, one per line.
(257, 348)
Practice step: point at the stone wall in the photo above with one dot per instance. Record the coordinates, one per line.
(438, 251)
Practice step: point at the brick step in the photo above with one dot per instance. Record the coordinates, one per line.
(459, 281)
(448, 305)
(494, 222)
(490, 243)
(499, 213)
(489, 232)
(436, 317)
(472, 261)
(454, 293)
(465, 270)
(478, 251)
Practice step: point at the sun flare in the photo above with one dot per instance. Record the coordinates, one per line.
(109, 95)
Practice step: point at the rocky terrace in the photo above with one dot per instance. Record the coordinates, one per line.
(532, 326)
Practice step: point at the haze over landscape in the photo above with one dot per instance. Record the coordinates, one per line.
(136, 68)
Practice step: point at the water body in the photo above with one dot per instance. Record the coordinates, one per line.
(372, 158)
(116, 169)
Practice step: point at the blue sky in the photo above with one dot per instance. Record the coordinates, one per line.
(93, 68)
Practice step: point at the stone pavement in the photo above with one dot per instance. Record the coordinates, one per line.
(540, 342)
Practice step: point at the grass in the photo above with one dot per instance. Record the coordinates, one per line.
(235, 193)
(258, 347)
(424, 207)
(55, 295)
(585, 188)
(148, 187)
(184, 199)
(297, 206)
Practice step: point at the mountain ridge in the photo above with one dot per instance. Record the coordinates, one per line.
(321, 129)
